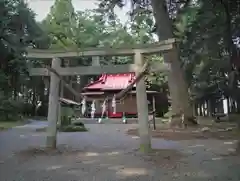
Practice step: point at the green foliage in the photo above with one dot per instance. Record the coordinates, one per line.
(65, 120)
(9, 124)
(18, 30)
(72, 128)
(9, 109)
(206, 49)
(204, 29)
(78, 124)
(75, 127)
(92, 28)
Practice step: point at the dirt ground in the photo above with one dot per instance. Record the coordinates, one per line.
(107, 153)
(220, 131)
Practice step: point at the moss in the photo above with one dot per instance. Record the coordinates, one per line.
(145, 148)
(78, 124)
(65, 121)
(73, 128)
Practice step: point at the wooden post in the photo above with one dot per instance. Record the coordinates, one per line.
(53, 106)
(154, 112)
(60, 105)
(173, 90)
(96, 62)
(142, 108)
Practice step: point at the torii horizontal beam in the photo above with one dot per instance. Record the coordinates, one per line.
(97, 70)
(143, 49)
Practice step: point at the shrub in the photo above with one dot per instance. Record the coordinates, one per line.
(65, 120)
(27, 109)
(10, 110)
(68, 128)
(73, 128)
(78, 124)
(42, 110)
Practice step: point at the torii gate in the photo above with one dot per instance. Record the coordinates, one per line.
(56, 71)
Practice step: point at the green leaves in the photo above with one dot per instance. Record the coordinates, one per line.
(18, 29)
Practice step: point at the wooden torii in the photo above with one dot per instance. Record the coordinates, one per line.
(140, 67)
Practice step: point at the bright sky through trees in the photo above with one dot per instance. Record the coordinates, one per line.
(42, 8)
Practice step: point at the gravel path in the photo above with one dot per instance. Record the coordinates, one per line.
(105, 153)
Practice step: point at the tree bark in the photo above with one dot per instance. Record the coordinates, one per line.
(176, 80)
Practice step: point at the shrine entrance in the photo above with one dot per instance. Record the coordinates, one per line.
(140, 68)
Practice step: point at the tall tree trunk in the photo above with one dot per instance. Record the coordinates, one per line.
(34, 102)
(234, 60)
(15, 88)
(177, 84)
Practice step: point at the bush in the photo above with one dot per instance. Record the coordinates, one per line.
(78, 124)
(10, 110)
(73, 128)
(42, 110)
(28, 109)
(65, 120)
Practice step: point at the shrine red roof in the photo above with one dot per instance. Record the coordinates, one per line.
(112, 82)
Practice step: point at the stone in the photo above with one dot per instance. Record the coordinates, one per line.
(229, 129)
(205, 129)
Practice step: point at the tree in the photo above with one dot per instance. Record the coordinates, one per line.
(212, 37)
(163, 15)
(60, 25)
(18, 30)
(210, 48)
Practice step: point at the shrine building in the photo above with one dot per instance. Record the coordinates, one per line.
(106, 86)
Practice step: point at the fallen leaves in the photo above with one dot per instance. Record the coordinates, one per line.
(190, 134)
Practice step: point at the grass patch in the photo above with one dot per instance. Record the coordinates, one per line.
(4, 125)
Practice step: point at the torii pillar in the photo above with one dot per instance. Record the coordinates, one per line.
(53, 106)
(142, 107)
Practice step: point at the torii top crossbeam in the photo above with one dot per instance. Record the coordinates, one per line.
(103, 51)
(96, 52)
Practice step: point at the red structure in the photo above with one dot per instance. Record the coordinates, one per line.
(108, 85)
(112, 82)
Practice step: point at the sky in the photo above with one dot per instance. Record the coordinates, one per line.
(42, 8)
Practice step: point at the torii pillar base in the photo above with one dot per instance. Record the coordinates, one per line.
(51, 142)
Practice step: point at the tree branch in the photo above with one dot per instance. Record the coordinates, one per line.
(185, 5)
(130, 86)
